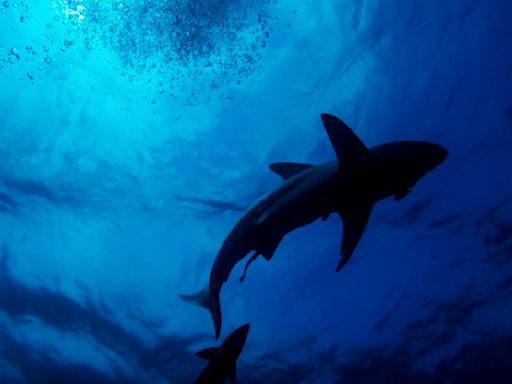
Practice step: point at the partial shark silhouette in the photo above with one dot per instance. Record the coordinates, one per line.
(349, 186)
(222, 360)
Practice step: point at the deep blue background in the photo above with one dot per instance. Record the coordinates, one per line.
(119, 122)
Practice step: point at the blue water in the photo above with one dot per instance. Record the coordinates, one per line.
(133, 135)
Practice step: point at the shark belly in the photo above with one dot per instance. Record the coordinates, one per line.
(298, 202)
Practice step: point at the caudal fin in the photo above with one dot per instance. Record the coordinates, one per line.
(204, 299)
(200, 298)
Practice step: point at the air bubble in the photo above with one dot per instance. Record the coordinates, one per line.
(15, 53)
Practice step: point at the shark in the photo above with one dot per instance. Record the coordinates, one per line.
(222, 360)
(349, 186)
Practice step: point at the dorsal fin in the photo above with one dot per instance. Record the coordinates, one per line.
(349, 148)
(208, 353)
(287, 170)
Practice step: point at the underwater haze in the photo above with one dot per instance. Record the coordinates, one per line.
(134, 135)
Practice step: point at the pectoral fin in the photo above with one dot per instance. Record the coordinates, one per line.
(354, 223)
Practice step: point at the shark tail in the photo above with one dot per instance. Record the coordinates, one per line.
(204, 299)
(200, 298)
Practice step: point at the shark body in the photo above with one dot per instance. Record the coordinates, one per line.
(222, 360)
(349, 186)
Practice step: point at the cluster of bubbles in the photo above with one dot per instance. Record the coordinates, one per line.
(14, 54)
(191, 32)
(23, 5)
(214, 42)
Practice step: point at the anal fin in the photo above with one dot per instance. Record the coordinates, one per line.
(354, 224)
(268, 249)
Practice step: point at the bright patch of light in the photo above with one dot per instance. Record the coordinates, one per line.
(74, 10)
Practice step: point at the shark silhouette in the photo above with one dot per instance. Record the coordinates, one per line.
(349, 186)
(222, 360)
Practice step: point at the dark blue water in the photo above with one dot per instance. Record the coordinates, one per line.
(133, 136)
